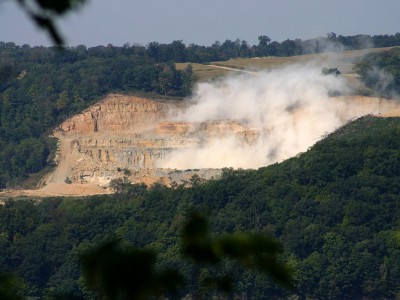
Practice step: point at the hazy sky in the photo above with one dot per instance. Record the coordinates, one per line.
(203, 22)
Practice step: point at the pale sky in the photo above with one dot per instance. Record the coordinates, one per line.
(203, 22)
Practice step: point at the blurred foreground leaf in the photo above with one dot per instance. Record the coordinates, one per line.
(10, 287)
(117, 270)
(251, 251)
(45, 12)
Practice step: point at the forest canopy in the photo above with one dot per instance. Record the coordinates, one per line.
(334, 209)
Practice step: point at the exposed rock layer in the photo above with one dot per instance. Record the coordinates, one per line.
(129, 136)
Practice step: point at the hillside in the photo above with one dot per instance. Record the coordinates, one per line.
(334, 209)
(132, 137)
(25, 129)
(308, 171)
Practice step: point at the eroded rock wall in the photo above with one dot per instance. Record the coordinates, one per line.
(129, 136)
(118, 113)
(123, 133)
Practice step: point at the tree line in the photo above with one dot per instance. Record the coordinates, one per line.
(229, 49)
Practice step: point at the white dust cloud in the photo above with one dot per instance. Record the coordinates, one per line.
(289, 109)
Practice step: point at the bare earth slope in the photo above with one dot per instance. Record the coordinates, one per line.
(127, 136)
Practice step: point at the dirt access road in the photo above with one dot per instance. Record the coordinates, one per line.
(54, 183)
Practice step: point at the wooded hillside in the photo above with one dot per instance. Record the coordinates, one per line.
(335, 209)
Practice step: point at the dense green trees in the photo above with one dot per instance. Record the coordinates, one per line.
(334, 209)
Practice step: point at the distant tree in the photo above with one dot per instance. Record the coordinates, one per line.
(120, 185)
(153, 50)
(262, 48)
(188, 80)
(287, 48)
(245, 50)
(330, 71)
(62, 101)
(331, 36)
(179, 51)
(263, 40)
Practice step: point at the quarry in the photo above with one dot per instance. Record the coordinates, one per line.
(246, 121)
(128, 136)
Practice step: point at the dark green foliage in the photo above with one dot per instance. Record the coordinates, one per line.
(124, 188)
(116, 270)
(330, 71)
(381, 72)
(252, 251)
(11, 287)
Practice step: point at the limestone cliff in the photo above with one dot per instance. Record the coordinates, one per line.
(129, 136)
(118, 113)
(123, 133)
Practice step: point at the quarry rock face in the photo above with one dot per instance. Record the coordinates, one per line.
(128, 136)
(118, 113)
(357, 106)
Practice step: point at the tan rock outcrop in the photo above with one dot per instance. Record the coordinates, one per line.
(118, 113)
(131, 133)
(128, 136)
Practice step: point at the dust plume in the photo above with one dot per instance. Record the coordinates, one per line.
(288, 109)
